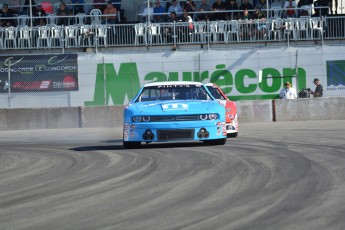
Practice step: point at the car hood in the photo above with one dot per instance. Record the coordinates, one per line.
(172, 107)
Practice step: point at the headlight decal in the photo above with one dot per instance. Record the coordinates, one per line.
(203, 117)
(191, 117)
(213, 116)
(136, 118)
(146, 118)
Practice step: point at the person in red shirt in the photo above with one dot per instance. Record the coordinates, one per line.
(290, 9)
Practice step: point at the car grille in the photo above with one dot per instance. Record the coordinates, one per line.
(175, 118)
(175, 134)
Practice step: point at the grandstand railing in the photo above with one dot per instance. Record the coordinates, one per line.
(171, 34)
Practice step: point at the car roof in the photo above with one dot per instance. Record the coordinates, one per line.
(172, 83)
(210, 84)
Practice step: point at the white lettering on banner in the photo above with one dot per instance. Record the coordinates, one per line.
(18, 69)
(57, 85)
(59, 68)
(45, 84)
(31, 69)
(69, 84)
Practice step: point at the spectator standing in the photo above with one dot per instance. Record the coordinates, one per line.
(290, 9)
(110, 14)
(231, 6)
(248, 6)
(246, 25)
(288, 92)
(63, 12)
(158, 12)
(168, 31)
(218, 5)
(318, 90)
(6, 16)
(203, 7)
(184, 32)
(40, 15)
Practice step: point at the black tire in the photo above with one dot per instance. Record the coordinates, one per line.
(220, 141)
(131, 144)
(232, 135)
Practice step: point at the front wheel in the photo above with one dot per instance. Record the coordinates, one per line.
(131, 144)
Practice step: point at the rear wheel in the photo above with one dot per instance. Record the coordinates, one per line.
(131, 144)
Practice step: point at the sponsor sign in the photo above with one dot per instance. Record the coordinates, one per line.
(39, 73)
(336, 75)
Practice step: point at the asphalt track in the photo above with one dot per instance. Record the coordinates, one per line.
(279, 176)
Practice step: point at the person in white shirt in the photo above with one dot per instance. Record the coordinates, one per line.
(146, 12)
(288, 92)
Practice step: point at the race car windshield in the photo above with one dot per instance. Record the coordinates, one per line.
(173, 92)
(215, 93)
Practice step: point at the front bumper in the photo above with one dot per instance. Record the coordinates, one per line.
(232, 126)
(181, 131)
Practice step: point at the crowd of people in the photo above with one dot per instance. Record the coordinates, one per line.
(245, 13)
(203, 10)
(228, 9)
(66, 11)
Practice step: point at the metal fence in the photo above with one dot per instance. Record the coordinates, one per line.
(52, 36)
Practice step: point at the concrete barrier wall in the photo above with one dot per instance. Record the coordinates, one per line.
(112, 116)
(102, 116)
(254, 111)
(332, 108)
(47, 118)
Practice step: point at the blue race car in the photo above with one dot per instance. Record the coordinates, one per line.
(173, 111)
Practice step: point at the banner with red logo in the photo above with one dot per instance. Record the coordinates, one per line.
(39, 73)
